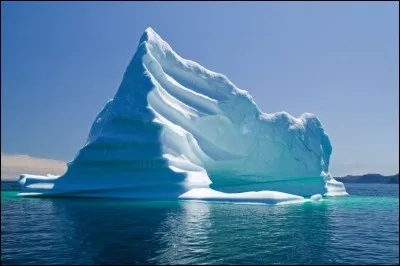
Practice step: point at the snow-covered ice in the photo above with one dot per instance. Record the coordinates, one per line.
(316, 197)
(177, 130)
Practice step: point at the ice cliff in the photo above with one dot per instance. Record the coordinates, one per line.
(177, 130)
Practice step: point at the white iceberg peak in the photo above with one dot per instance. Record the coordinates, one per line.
(150, 35)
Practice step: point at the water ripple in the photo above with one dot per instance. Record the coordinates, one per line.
(362, 228)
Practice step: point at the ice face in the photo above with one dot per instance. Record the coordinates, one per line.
(175, 129)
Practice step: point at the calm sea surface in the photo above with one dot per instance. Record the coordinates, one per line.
(361, 228)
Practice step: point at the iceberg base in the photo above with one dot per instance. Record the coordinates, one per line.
(44, 186)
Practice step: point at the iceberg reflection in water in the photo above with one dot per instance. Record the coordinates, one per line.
(354, 229)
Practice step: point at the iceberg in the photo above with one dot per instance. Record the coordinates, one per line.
(176, 130)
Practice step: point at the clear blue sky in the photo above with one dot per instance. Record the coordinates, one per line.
(61, 62)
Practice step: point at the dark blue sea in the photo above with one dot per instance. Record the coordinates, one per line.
(359, 229)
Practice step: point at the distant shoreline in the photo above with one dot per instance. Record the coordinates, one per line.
(370, 178)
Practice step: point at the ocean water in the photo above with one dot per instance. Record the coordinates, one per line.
(362, 228)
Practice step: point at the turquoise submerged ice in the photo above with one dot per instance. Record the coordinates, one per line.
(177, 130)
